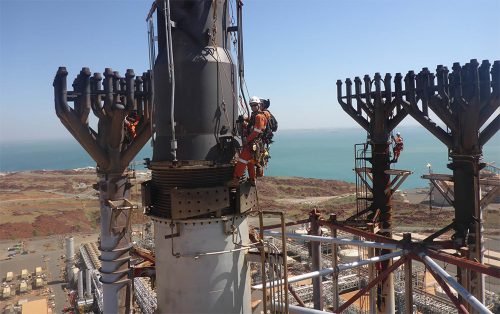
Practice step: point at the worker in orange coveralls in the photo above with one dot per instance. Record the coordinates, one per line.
(130, 124)
(398, 146)
(267, 139)
(251, 145)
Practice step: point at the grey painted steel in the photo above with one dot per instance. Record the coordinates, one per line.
(115, 243)
(70, 253)
(166, 178)
(198, 201)
(466, 295)
(80, 285)
(205, 82)
(211, 273)
(88, 282)
(316, 261)
(340, 241)
(294, 309)
(340, 267)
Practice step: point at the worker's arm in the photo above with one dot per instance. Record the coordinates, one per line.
(258, 128)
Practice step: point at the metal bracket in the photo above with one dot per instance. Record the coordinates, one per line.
(117, 208)
(247, 199)
(199, 201)
(228, 226)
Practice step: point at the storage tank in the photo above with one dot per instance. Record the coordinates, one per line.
(24, 274)
(80, 285)
(38, 282)
(70, 253)
(6, 292)
(23, 286)
(88, 282)
(349, 255)
(74, 275)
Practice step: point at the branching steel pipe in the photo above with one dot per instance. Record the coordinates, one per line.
(111, 103)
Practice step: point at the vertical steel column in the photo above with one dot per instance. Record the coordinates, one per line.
(107, 147)
(466, 179)
(463, 277)
(372, 273)
(465, 100)
(408, 279)
(285, 262)
(378, 112)
(335, 256)
(263, 261)
(115, 243)
(316, 260)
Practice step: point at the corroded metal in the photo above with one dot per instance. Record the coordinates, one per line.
(464, 99)
(378, 110)
(110, 105)
(111, 100)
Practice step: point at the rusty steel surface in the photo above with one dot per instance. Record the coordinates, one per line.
(198, 201)
(378, 110)
(465, 263)
(111, 100)
(460, 307)
(247, 199)
(370, 285)
(464, 99)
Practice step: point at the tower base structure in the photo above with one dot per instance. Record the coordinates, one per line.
(201, 265)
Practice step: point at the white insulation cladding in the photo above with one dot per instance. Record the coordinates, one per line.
(203, 269)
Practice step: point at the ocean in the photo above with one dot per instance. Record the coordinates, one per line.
(322, 154)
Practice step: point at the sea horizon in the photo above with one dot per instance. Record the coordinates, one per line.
(325, 153)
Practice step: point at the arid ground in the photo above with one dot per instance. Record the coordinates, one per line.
(42, 203)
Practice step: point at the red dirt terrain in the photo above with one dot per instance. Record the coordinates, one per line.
(42, 203)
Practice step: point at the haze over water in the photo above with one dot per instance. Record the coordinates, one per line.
(322, 154)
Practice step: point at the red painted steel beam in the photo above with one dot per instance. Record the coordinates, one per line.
(358, 232)
(460, 307)
(465, 263)
(372, 284)
(296, 296)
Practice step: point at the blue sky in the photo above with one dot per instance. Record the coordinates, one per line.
(294, 50)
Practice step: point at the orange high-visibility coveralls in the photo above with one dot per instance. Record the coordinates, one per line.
(267, 114)
(131, 125)
(245, 159)
(398, 147)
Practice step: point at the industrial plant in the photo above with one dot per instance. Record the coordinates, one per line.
(209, 246)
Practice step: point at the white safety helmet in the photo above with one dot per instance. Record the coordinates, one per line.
(254, 100)
(398, 134)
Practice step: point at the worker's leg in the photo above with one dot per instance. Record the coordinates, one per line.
(396, 155)
(251, 171)
(239, 169)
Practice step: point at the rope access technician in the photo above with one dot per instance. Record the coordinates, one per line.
(256, 137)
(398, 146)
